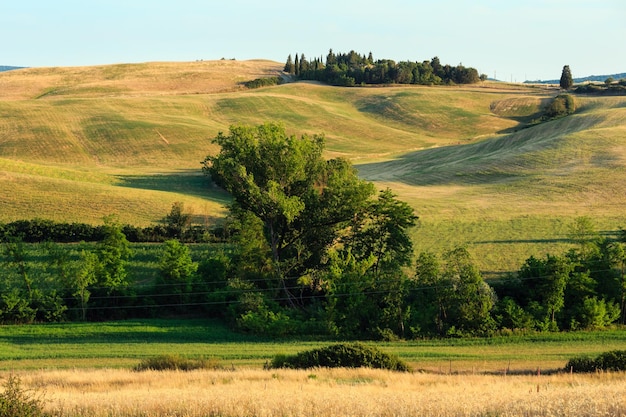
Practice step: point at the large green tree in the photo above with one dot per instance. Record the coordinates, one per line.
(302, 201)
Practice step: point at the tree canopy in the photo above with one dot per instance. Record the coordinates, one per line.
(302, 200)
(304, 206)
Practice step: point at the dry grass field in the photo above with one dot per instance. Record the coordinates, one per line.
(142, 79)
(324, 393)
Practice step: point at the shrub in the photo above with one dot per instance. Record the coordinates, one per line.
(581, 364)
(17, 402)
(340, 355)
(175, 363)
(263, 82)
(561, 105)
(614, 360)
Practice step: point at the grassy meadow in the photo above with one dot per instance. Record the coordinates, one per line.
(77, 144)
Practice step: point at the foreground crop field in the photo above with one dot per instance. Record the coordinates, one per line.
(324, 393)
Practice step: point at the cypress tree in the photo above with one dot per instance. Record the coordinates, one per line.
(566, 78)
(331, 59)
(304, 64)
(289, 66)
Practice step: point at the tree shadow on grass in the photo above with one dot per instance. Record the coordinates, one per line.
(132, 331)
(191, 183)
(509, 241)
(607, 234)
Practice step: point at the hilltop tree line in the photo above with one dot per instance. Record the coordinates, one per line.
(313, 249)
(354, 69)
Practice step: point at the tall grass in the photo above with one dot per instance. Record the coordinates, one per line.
(324, 393)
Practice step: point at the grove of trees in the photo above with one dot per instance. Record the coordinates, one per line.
(310, 248)
(353, 69)
(316, 249)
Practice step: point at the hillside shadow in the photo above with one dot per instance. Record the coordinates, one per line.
(190, 183)
(496, 160)
(523, 122)
(453, 164)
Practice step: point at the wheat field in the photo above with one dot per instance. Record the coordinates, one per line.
(323, 393)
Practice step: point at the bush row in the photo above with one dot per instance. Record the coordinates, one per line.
(41, 230)
(263, 82)
(612, 90)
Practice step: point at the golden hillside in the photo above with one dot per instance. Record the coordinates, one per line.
(79, 143)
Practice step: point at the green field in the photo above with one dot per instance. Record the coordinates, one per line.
(77, 144)
(125, 343)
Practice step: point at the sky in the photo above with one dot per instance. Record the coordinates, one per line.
(512, 40)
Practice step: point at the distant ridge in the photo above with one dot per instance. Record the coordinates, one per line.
(599, 78)
(8, 68)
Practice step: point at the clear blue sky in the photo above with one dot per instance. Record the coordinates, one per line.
(513, 39)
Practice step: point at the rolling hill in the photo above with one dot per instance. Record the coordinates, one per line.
(77, 144)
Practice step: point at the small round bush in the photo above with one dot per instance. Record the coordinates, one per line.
(340, 356)
(561, 105)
